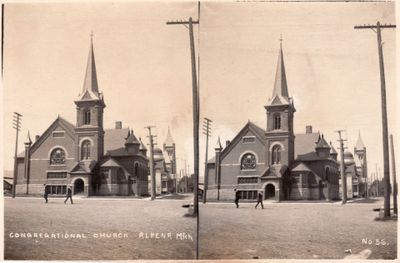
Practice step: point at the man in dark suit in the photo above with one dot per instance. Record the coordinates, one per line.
(260, 199)
(46, 193)
(69, 195)
(237, 197)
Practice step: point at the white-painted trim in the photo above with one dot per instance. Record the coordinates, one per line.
(42, 159)
(275, 184)
(84, 139)
(230, 164)
(238, 164)
(76, 178)
(55, 147)
(60, 132)
(250, 136)
(273, 145)
(246, 152)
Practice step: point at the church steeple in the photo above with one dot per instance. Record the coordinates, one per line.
(90, 90)
(169, 141)
(89, 112)
(280, 94)
(169, 147)
(359, 144)
(280, 116)
(280, 87)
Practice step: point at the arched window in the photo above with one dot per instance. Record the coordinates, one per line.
(277, 121)
(276, 154)
(248, 162)
(86, 117)
(85, 154)
(57, 156)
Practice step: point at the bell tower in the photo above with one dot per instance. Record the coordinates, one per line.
(169, 147)
(89, 115)
(280, 114)
(360, 152)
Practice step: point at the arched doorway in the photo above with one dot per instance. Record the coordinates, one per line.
(270, 191)
(79, 186)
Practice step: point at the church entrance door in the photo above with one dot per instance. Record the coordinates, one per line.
(269, 191)
(79, 186)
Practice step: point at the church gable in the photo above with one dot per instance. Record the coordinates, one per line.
(58, 135)
(249, 140)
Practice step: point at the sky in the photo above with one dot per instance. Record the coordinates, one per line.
(144, 70)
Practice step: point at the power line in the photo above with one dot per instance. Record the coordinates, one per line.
(207, 132)
(152, 172)
(17, 126)
(342, 172)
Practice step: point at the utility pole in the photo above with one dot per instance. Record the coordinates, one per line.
(207, 132)
(195, 99)
(342, 172)
(152, 173)
(17, 126)
(377, 184)
(394, 176)
(386, 176)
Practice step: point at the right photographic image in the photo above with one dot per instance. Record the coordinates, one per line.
(298, 108)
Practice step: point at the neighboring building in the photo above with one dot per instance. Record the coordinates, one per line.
(356, 170)
(7, 184)
(170, 156)
(281, 164)
(165, 167)
(93, 160)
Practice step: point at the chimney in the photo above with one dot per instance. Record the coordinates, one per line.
(37, 137)
(227, 142)
(308, 129)
(118, 125)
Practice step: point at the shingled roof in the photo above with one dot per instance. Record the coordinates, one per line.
(114, 138)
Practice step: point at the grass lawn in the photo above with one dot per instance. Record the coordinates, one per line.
(91, 217)
(294, 231)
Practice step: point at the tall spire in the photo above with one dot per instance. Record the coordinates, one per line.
(280, 87)
(280, 94)
(28, 140)
(359, 144)
(169, 141)
(218, 146)
(90, 88)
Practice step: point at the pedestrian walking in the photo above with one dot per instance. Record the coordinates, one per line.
(46, 193)
(260, 200)
(237, 197)
(69, 195)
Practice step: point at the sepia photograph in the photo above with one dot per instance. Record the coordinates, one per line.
(212, 130)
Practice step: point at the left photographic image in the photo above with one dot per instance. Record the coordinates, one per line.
(97, 132)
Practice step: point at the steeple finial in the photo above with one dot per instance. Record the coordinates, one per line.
(280, 41)
(91, 37)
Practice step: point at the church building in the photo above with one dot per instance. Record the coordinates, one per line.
(356, 170)
(275, 161)
(91, 159)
